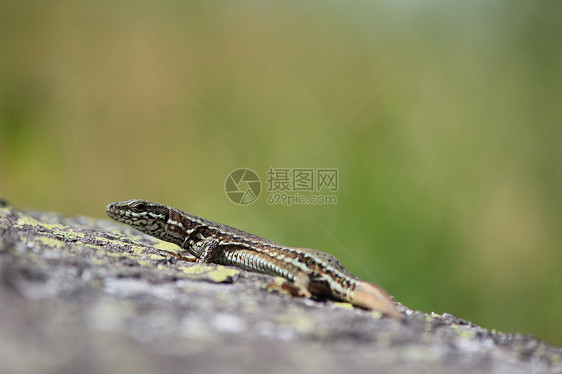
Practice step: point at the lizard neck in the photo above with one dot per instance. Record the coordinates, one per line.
(177, 229)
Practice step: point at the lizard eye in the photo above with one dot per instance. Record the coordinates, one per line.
(139, 206)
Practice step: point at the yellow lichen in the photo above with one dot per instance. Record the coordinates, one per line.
(466, 334)
(27, 220)
(343, 305)
(167, 246)
(50, 242)
(219, 274)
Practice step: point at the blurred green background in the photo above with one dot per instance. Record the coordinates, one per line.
(443, 120)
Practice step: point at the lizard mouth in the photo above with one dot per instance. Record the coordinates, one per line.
(110, 210)
(114, 211)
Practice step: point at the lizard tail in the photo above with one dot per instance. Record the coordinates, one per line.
(370, 296)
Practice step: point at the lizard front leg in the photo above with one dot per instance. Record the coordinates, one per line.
(209, 250)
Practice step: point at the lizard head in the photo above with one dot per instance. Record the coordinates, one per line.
(143, 215)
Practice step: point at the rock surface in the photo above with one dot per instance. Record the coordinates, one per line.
(92, 296)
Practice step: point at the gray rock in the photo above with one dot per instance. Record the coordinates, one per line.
(92, 296)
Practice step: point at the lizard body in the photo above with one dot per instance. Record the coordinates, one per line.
(307, 271)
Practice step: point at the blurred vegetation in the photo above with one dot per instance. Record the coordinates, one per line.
(443, 120)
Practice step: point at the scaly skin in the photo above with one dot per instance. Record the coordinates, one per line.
(307, 271)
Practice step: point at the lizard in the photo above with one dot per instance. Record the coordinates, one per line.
(306, 271)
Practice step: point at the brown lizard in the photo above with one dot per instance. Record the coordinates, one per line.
(307, 271)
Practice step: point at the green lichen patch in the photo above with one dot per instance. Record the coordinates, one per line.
(299, 321)
(69, 235)
(51, 242)
(170, 247)
(219, 274)
(343, 305)
(464, 333)
(156, 257)
(27, 220)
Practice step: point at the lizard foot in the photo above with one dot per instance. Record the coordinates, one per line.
(183, 258)
(290, 287)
